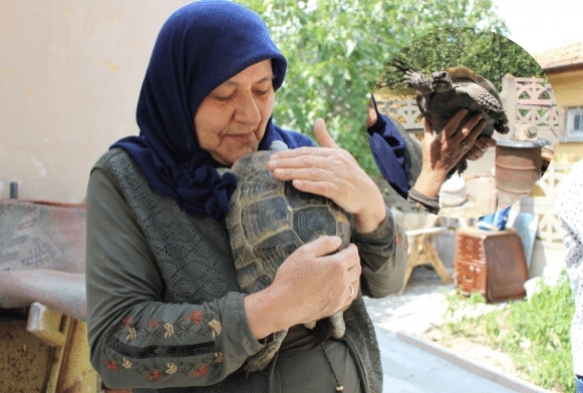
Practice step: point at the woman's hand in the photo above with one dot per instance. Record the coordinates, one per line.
(313, 283)
(483, 143)
(333, 173)
(441, 152)
(371, 113)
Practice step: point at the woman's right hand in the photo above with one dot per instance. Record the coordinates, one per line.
(313, 283)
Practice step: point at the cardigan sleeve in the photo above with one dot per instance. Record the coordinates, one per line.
(136, 339)
(383, 254)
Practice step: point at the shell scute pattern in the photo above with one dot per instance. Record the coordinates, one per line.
(258, 218)
(267, 221)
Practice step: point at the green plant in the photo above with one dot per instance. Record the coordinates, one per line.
(336, 50)
(456, 300)
(542, 329)
(535, 333)
(460, 47)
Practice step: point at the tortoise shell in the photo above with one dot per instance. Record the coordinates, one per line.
(443, 93)
(269, 219)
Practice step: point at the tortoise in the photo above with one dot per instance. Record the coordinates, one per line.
(442, 94)
(268, 219)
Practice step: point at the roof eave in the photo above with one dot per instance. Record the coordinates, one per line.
(556, 69)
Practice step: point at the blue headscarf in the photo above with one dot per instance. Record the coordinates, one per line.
(200, 46)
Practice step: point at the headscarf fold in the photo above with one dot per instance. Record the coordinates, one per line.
(200, 46)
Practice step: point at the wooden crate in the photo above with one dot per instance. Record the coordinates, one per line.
(491, 263)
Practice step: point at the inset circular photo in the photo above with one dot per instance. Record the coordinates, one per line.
(461, 122)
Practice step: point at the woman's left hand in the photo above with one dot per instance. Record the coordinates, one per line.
(333, 173)
(482, 144)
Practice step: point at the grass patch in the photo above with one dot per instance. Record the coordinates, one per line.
(535, 333)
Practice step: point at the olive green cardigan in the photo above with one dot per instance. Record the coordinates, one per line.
(163, 304)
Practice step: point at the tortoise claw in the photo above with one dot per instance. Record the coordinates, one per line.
(339, 327)
(262, 358)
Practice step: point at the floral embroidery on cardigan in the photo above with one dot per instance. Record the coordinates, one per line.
(153, 323)
(159, 362)
(195, 317)
(185, 326)
(154, 376)
(126, 321)
(171, 368)
(132, 333)
(111, 365)
(217, 328)
(168, 330)
(153, 372)
(202, 371)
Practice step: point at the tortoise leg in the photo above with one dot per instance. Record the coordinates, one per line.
(262, 358)
(310, 325)
(339, 328)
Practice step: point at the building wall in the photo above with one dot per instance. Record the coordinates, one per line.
(548, 256)
(70, 74)
(568, 152)
(568, 90)
(567, 87)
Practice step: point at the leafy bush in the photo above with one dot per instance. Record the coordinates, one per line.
(336, 50)
(535, 333)
(460, 47)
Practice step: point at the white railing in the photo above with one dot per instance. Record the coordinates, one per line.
(526, 101)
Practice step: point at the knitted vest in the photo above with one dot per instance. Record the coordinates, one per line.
(194, 258)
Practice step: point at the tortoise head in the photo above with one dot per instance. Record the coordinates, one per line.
(441, 81)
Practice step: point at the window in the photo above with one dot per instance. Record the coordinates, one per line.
(574, 123)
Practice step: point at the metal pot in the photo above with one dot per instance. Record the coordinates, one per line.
(518, 164)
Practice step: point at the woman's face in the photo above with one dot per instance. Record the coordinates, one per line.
(231, 119)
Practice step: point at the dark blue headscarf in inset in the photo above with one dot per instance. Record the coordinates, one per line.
(200, 46)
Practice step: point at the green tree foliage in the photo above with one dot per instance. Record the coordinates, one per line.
(336, 50)
(487, 53)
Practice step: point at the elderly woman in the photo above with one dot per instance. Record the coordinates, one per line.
(165, 312)
(164, 309)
